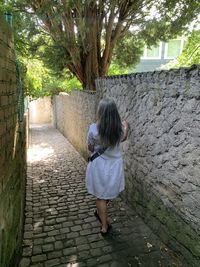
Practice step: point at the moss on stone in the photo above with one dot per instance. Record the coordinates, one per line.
(173, 230)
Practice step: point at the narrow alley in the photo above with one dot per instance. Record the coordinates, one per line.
(60, 226)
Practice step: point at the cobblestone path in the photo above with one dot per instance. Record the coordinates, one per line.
(60, 228)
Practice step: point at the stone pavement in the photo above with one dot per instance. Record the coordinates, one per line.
(60, 228)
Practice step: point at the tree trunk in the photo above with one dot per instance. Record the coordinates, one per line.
(90, 62)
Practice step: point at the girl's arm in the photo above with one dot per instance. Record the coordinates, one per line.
(90, 139)
(125, 130)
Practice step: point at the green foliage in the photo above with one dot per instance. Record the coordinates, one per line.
(116, 69)
(190, 54)
(128, 51)
(53, 56)
(23, 28)
(85, 37)
(191, 51)
(37, 57)
(40, 81)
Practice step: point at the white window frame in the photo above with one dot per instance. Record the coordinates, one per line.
(150, 58)
(181, 48)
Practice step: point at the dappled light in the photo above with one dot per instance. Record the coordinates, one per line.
(61, 229)
(37, 225)
(39, 152)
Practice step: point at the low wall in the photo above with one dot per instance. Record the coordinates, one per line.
(40, 110)
(12, 155)
(72, 115)
(162, 153)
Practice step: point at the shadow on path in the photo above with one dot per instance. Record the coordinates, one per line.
(60, 228)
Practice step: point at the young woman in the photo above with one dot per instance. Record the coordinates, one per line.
(105, 174)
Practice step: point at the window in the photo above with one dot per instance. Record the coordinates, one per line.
(153, 52)
(173, 48)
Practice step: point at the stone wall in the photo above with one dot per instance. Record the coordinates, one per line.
(12, 155)
(162, 153)
(40, 110)
(72, 115)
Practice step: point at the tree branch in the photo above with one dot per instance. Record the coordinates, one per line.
(109, 30)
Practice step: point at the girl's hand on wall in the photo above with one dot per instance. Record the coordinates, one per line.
(125, 125)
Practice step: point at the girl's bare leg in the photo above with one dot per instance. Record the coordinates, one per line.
(102, 211)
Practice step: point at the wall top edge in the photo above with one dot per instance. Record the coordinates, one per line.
(79, 91)
(88, 92)
(157, 72)
(63, 93)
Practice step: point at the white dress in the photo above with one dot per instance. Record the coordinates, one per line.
(105, 174)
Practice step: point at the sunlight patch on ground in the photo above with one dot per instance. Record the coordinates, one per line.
(73, 264)
(39, 152)
(38, 225)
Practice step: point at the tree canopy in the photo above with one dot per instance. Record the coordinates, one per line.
(190, 54)
(85, 36)
(191, 51)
